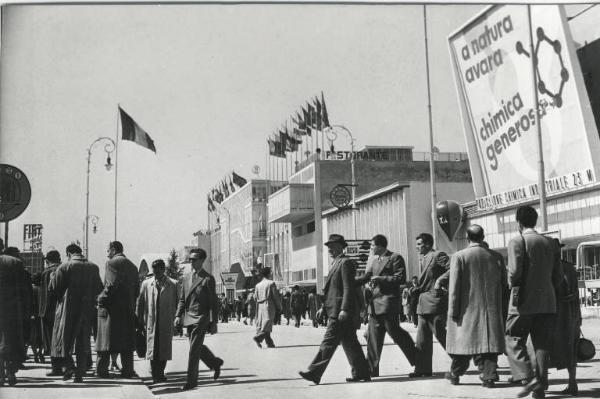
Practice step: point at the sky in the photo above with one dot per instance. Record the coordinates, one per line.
(209, 83)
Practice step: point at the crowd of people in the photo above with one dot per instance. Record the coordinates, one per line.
(477, 308)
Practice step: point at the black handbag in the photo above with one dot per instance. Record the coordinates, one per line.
(585, 349)
(140, 342)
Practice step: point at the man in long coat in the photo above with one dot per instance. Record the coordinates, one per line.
(534, 274)
(156, 308)
(15, 306)
(297, 305)
(198, 310)
(116, 312)
(267, 299)
(385, 273)
(343, 310)
(74, 286)
(312, 307)
(432, 304)
(47, 310)
(475, 309)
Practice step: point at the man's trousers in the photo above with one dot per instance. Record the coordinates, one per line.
(428, 326)
(199, 351)
(487, 364)
(518, 328)
(126, 363)
(340, 332)
(378, 326)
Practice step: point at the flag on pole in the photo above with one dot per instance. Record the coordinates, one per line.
(324, 116)
(276, 148)
(319, 123)
(307, 121)
(231, 186)
(313, 116)
(238, 180)
(131, 131)
(225, 188)
(211, 205)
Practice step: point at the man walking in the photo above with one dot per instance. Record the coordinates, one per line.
(74, 287)
(116, 312)
(475, 302)
(312, 306)
(297, 305)
(432, 304)
(269, 303)
(47, 310)
(385, 273)
(155, 310)
(342, 307)
(199, 307)
(534, 274)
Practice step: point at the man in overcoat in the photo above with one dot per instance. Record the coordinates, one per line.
(74, 287)
(47, 310)
(15, 307)
(432, 304)
(297, 305)
(198, 310)
(385, 273)
(116, 312)
(342, 306)
(155, 310)
(534, 275)
(477, 282)
(269, 303)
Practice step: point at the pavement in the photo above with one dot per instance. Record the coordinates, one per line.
(250, 372)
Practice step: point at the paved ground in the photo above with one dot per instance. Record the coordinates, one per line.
(250, 372)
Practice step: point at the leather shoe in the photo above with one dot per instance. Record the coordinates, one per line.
(538, 394)
(572, 390)
(188, 387)
(454, 379)
(257, 342)
(129, 375)
(68, 374)
(512, 381)
(419, 375)
(488, 384)
(308, 377)
(217, 368)
(358, 379)
(533, 385)
(102, 375)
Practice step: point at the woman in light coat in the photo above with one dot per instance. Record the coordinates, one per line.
(155, 309)
(268, 302)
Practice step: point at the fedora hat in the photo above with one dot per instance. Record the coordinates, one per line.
(336, 239)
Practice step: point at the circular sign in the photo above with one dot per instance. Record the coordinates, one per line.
(256, 169)
(340, 196)
(15, 192)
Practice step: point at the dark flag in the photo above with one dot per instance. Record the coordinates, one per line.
(218, 195)
(276, 148)
(231, 186)
(307, 120)
(319, 116)
(211, 206)
(131, 131)
(324, 116)
(225, 188)
(238, 180)
(313, 116)
(300, 128)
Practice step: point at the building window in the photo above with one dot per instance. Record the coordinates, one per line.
(297, 231)
(310, 227)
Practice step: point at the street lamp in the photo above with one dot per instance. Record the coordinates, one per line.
(331, 136)
(109, 148)
(222, 208)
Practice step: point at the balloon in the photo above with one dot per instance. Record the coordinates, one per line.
(449, 215)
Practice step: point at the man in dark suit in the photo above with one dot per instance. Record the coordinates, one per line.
(534, 275)
(342, 307)
(47, 308)
(432, 304)
(199, 306)
(116, 312)
(297, 305)
(385, 273)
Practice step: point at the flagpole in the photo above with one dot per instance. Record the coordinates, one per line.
(541, 177)
(431, 148)
(116, 166)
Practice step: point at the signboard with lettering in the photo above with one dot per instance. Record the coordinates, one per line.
(32, 237)
(229, 279)
(492, 59)
(359, 250)
(15, 192)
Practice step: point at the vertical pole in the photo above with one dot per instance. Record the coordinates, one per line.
(6, 234)
(431, 152)
(541, 177)
(353, 167)
(116, 169)
(87, 204)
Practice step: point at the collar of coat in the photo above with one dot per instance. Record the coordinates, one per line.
(78, 257)
(529, 230)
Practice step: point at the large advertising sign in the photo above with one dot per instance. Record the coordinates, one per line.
(492, 59)
(32, 237)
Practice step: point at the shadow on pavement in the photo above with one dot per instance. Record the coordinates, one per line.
(228, 380)
(295, 346)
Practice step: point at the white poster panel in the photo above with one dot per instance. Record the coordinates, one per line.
(493, 63)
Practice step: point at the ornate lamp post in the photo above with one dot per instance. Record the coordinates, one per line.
(331, 136)
(109, 148)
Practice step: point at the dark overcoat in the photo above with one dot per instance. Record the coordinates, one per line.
(15, 306)
(341, 292)
(74, 287)
(116, 306)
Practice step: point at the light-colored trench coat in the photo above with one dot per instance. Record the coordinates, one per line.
(146, 310)
(267, 299)
(477, 282)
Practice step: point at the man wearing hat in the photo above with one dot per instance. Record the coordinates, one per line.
(47, 308)
(198, 310)
(342, 306)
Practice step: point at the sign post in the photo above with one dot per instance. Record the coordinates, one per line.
(15, 194)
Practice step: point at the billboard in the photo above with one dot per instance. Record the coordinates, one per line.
(492, 61)
(32, 237)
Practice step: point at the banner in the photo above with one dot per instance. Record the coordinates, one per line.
(492, 59)
(32, 237)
